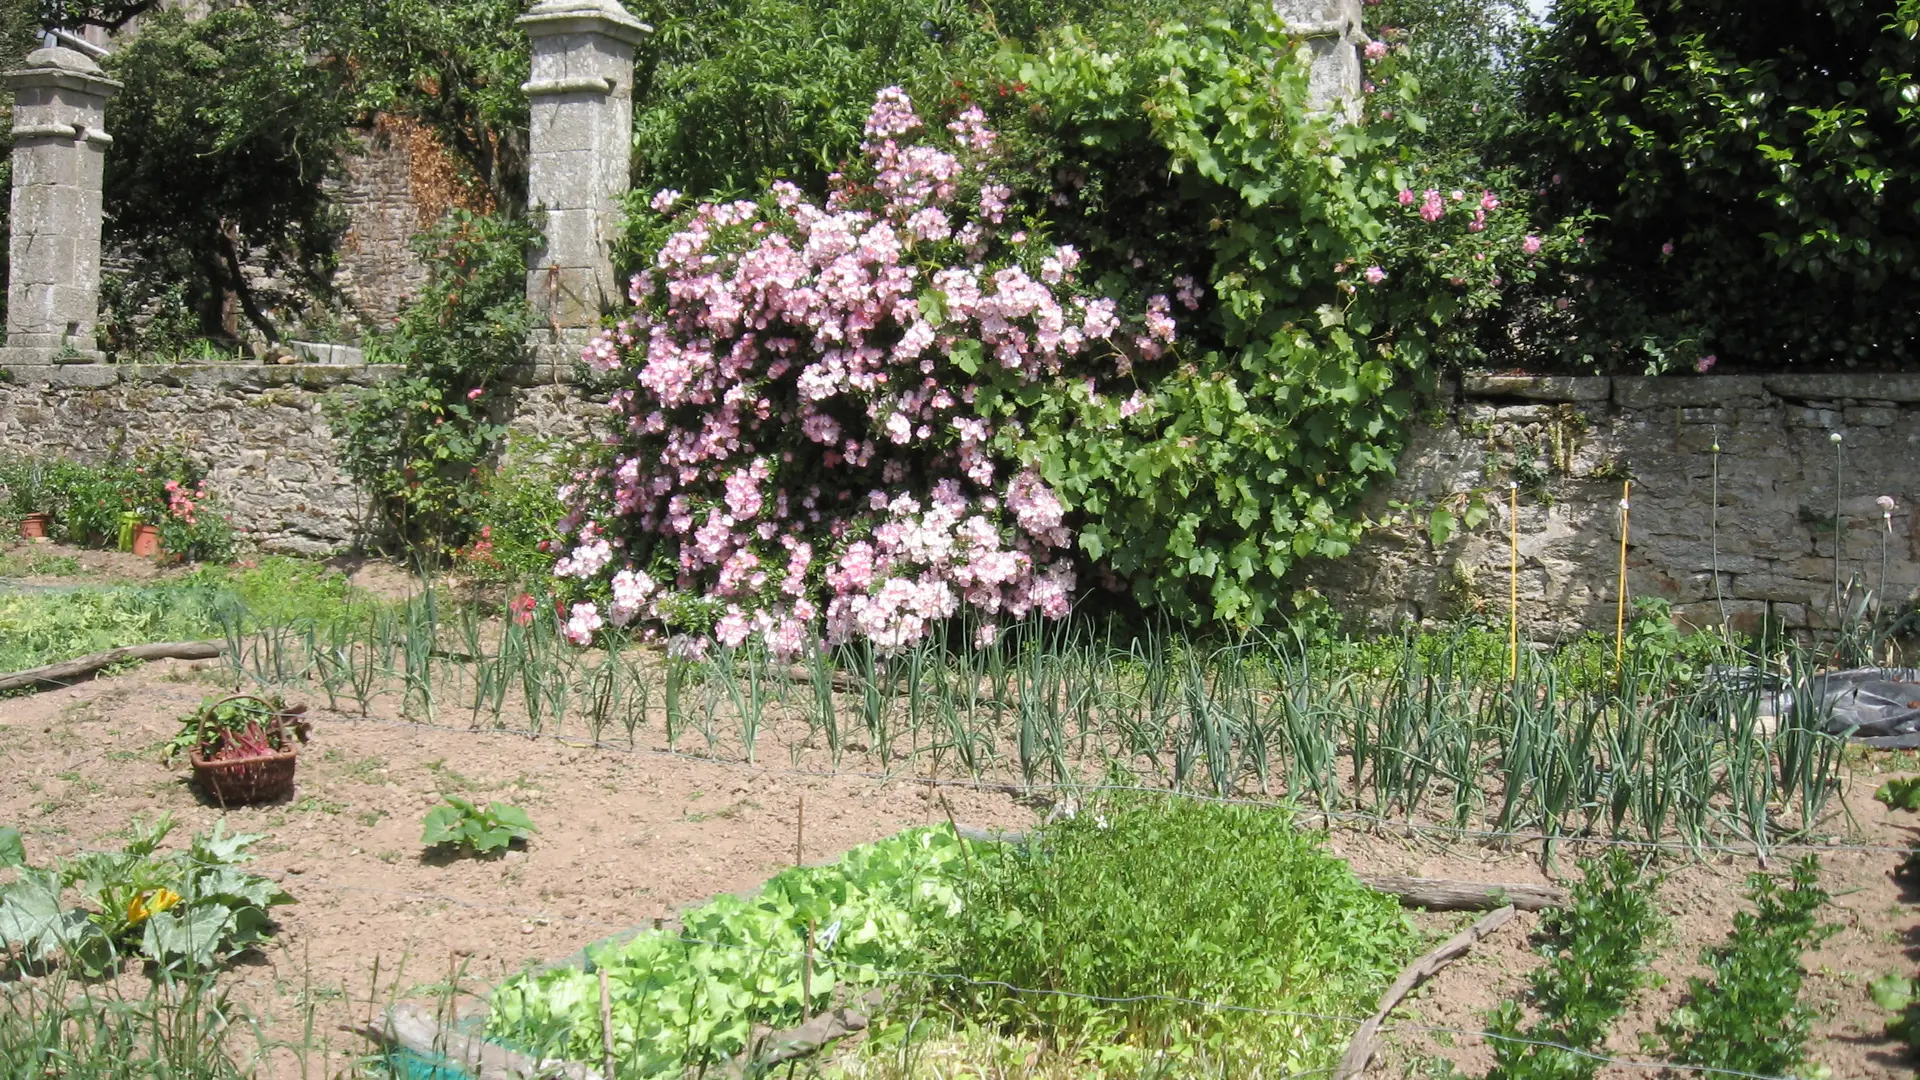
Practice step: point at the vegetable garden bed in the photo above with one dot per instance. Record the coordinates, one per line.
(1107, 937)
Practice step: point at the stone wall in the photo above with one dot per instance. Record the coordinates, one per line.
(261, 432)
(377, 266)
(1570, 443)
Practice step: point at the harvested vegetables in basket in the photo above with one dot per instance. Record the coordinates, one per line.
(239, 727)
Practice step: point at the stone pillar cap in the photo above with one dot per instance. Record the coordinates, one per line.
(57, 66)
(607, 17)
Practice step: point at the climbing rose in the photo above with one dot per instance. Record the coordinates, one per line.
(803, 447)
(1530, 245)
(1374, 275)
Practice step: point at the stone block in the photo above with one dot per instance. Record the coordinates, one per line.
(1901, 387)
(1670, 391)
(1536, 387)
(44, 164)
(568, 180)
(1823, 419)
(1870, 416)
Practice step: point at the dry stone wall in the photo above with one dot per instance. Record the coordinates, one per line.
(1570, 443)
(261, 432)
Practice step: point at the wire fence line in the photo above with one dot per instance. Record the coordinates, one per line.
(895, 975)
(1298, 809)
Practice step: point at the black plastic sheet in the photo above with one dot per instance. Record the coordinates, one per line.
(1873, 706)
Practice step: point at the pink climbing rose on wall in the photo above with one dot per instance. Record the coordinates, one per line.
(819, 430)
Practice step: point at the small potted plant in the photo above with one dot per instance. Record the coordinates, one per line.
(27, 497)
(241, 747)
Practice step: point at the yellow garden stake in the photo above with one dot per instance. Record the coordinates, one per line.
(1513, 581)
(1620, 610)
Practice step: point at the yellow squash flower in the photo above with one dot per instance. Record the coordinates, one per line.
(151, 904)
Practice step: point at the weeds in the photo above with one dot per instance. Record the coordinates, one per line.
(180, 1030)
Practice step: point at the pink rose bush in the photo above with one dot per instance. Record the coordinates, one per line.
(818, 436)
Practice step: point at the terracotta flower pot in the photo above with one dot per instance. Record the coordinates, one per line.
(146, 541)
(34, 526)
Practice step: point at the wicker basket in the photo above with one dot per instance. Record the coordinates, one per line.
(239, 781)
(262, 778)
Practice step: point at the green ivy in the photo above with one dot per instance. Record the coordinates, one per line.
(421, 443)
(1297, 378)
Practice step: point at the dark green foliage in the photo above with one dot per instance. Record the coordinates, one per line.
(1598, 948)
(1145, 896)
(795, 78)
(454, 66)
(422, 442)
(1748, 1016)
(460, 824)
(1773, 146)
(1463, 56)
(223, 135)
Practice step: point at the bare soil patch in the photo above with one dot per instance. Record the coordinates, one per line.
(629, 836)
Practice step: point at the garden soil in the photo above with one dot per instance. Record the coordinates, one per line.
(627, 837)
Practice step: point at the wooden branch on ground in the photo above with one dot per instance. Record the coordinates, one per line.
(68, 670)
(413, 1028)
(777, 1048)
(1360, 1050)
(1437, 894)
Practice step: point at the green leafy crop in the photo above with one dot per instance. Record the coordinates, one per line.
(1150, 899)
(1598, 953)
(692, 997)
(1748, 1016)
(177, 909)
(1901, 794)
(461, 824)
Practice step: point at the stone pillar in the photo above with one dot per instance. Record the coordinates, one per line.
(59, 150)
(579, 150)
(1334, 31)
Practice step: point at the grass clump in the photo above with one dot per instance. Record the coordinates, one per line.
(1162, 903)
(178, 1030)
(44, 626)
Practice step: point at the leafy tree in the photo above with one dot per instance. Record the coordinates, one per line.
(1757, 168)
(223, 134)
(1463, 60)
(794, 78)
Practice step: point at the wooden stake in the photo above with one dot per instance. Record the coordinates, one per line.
(1513, 581)
(1620, 608)
(806, 976)
(606, 1028)
(800, 833)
